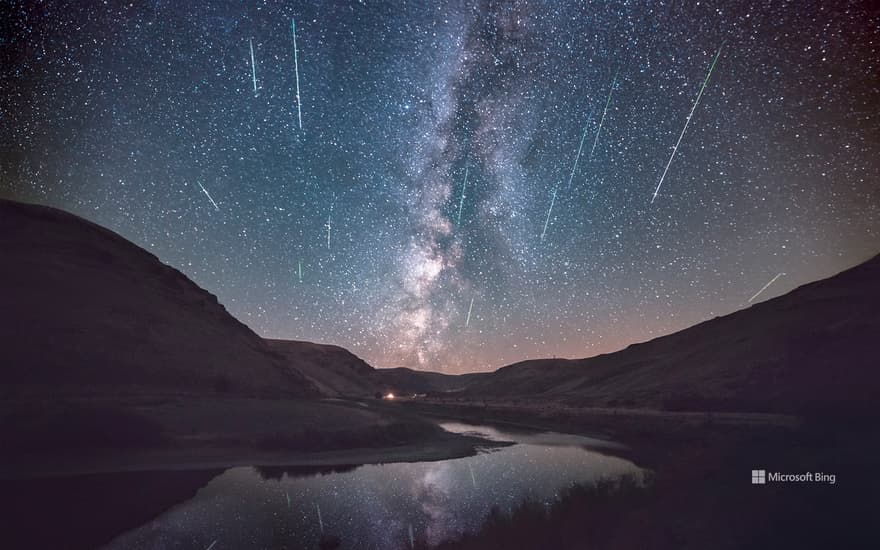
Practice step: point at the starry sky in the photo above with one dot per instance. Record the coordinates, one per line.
(473, 183)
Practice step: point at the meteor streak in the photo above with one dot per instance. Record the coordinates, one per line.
(773, 280)
(253, 65)
(470, 308)
(320, 521)
(205, 191)
(547, 221)
(288, 499)
(412, 541)
(330, 215)
(607, 102)
(473, 479)
(688, 121)
(578, 156)
(461, 202)
(300, 272)
(328, 227)
(296, 70)
(212, 545)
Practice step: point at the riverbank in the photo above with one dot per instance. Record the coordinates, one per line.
(701, 492)
(439, 446)
(78, 437)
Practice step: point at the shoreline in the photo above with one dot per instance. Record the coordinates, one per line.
(444, 446)
(626, 433)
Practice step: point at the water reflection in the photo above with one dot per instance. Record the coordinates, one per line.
(374, 506)
(279, 472)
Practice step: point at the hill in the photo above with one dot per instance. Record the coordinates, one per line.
(811, 349)
(404, 380)
(113, 360)
(337, 372)
(87, 312)
(333, 370)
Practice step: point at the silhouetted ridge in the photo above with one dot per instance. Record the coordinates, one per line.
(812, 349)
(87, 310)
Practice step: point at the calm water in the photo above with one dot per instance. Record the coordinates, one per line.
(374, 506)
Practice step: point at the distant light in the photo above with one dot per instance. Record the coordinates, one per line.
(389, 396)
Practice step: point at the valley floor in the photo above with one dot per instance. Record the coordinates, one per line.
(701, 495)
(82, 436)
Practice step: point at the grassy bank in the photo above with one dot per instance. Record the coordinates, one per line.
(91, 435)
(584, 516)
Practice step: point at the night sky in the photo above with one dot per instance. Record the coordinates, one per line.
(352, 230)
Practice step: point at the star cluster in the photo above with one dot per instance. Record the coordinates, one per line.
(472, 183)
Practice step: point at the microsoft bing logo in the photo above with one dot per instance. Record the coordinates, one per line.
(759, 477)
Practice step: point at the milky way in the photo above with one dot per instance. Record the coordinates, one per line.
(345, 217)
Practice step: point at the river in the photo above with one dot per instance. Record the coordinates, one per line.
(376, 505)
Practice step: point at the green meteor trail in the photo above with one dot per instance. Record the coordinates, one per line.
(578, 156)
(547, 221)
(688, 121)
(461, 202)
(300, 270)
(604, 112)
